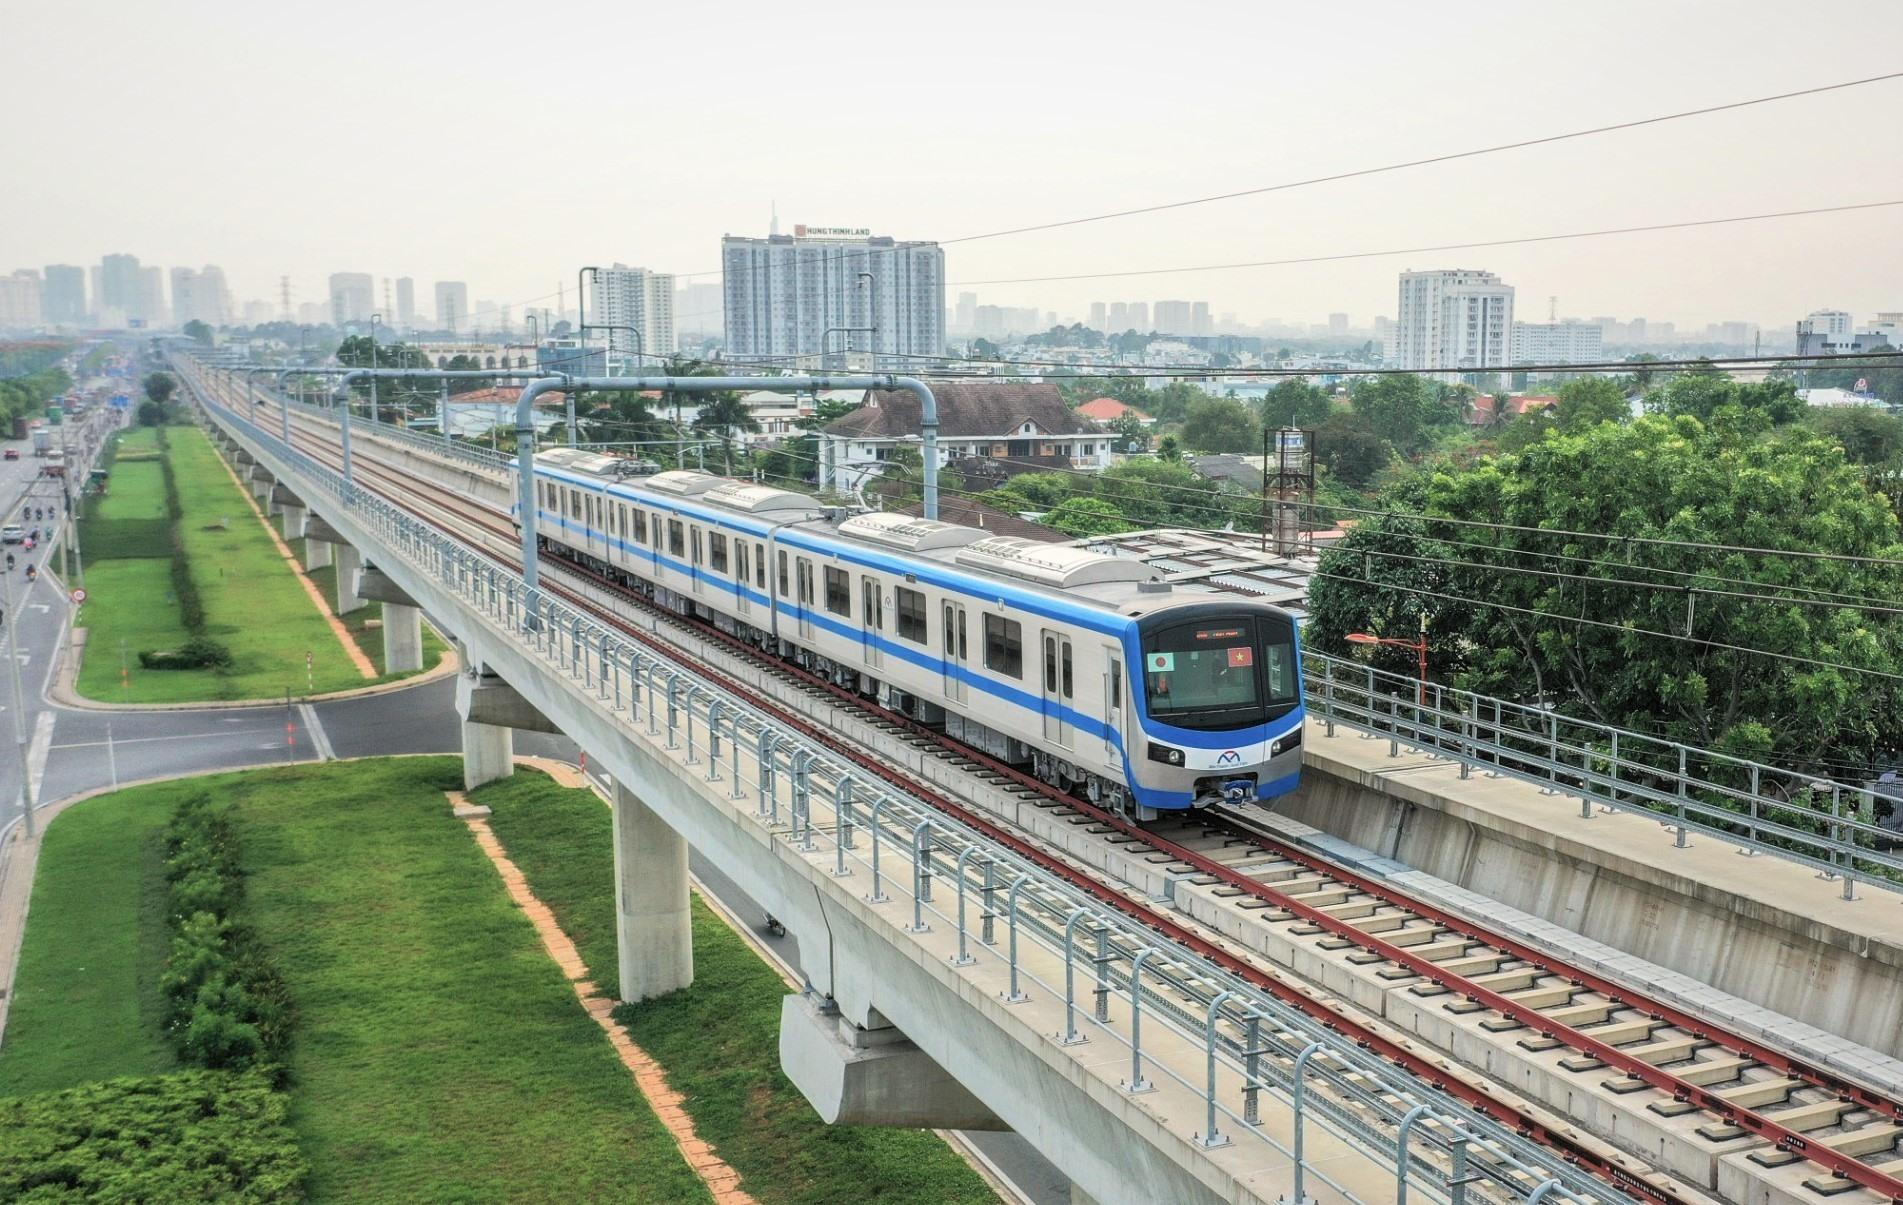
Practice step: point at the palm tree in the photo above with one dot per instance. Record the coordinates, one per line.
(617, 417)
(723, 414)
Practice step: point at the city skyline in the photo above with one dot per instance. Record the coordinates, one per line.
(1045, 158)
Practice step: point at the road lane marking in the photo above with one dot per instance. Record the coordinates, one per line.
(36, 753)
(315, 727)
(146, 740)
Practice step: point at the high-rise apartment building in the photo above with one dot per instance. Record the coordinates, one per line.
(1452, 321)
(634, 297)
(784, 293)
(200, 296)
(259, 313)
(20, 297)
(152, 308)
(405, 303)
(117, 290)
(1098, 315)
(353, 297)
(1140, 316)
(452, 305)
(697, 311)
(63, 295)
(1568, 342)
(965, 317)
(1119, 318)
(1199, 323)
(1173, 318)
(1337, 326)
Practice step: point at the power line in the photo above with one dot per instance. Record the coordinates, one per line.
(1504, 242)
(1434, 159)
(1617, 627)
(1388, 167)
(1867, 359)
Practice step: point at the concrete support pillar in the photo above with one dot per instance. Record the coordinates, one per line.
(402, 638)
(296, 520)
(653, 923)
(859, 1076)
(316, 553)
(488, 754)
(349, 565)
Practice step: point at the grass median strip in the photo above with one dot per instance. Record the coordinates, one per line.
(157, 577)
(717, 1041)
(438, 1055)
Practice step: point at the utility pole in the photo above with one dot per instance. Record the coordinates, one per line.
(19, 709)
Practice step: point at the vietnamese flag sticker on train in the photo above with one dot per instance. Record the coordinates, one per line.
(1162, 663)
(1241, 658)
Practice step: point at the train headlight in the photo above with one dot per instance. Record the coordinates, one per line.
(1165, 754)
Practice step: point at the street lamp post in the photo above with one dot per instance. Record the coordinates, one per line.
(375, 362)
(12, 618)
(1418, 646)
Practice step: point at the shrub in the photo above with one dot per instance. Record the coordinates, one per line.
(187, 1136)
(226, 1004)
(200, 652)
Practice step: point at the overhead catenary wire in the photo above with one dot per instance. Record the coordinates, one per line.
(1520, 241)
(1387, 168)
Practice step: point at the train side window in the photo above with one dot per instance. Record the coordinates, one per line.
(740, 571)
(1050, 663)
(873, 608)
(759, 565)
(717, 551)
(640, 525)
(1004, 646)
(838, 591)
(783, 590)
(1116, 685)
(1064, 670)
(676, 537)
(911, 608)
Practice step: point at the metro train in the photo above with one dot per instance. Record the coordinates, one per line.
(1144, 695)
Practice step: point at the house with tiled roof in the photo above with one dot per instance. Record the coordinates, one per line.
(978, 418)
(1108, 410)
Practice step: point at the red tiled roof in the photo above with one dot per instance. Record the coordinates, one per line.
(1109, 410)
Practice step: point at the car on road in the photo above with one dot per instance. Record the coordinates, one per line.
(11, 454)
(12, 533)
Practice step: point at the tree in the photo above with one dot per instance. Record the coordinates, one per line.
(159, 386)
(1652, 657)
(1133, 434)
(1170, 448)
(618, 417)
(1349, 451)
(1081, 518)
(723, 415)
(1407, 411)
(1219, 424)
(1296, 403)
(1586, 402)
(1702, 393)
(199, 332)
(1865, 433)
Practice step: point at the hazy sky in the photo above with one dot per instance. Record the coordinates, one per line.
(504, 145)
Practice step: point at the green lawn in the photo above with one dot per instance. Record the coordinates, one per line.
(254, 603)
(719, 1039)
(439, 1054)
(86, 1003)
(357, 622)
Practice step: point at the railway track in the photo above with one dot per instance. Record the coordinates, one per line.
(1777, 1110)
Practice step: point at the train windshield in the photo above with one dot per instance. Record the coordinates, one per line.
(1214, 675)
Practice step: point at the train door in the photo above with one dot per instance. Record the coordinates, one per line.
(956, 648)
(693, 560)
(1060, 681)
(1113, 701)
(803, 581)
(871, 620)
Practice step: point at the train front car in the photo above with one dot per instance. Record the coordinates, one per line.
(1220, 706)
